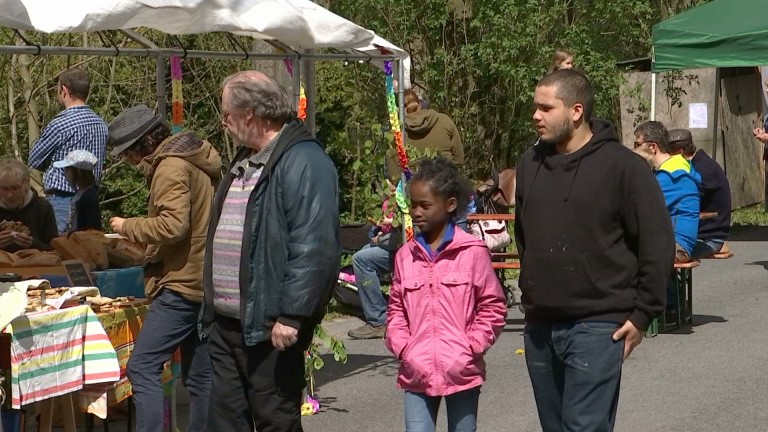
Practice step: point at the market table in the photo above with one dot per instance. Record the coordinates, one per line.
(56, 353)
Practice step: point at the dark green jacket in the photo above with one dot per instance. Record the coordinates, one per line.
(291, 249)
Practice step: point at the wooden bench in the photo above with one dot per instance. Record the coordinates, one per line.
(683, 280)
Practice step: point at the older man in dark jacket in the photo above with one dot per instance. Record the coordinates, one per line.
(271, 261)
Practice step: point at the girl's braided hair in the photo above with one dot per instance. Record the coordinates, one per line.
(446, 180)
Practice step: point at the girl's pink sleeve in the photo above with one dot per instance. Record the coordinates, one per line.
(491, 305)
(398, 331)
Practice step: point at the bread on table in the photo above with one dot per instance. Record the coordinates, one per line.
(97, 251)
(137, 251)
(14, 226)
(121, 259)
(71, 250)
(7, 259)
(26, 252)
(41, 259)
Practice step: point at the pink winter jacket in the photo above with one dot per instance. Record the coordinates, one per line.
(444, 315)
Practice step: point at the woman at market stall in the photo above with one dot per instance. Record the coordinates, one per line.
(27, 221)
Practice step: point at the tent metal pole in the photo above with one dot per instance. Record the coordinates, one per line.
(160, 69)
(167, 52)
(308, 69)
(715, 118)
(653, 96)
(296, 80)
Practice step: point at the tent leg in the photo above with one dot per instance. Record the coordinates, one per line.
(309, 91)
(160, 69)
(653, 96)
(715, 123)
(296, 82)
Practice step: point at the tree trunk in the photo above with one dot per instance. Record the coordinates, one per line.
(31, 108)
(12, 110)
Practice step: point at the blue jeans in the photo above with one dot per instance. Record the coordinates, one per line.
(170, 323)
(368, 263)
(421, 411)
(575, 370)
(705, 248)
(62, 208)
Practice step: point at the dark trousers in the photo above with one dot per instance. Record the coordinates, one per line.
(253, 386)
(575, 370)
(170, 323)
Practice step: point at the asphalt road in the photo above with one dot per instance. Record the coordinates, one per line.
(711, 377)
(708, 378)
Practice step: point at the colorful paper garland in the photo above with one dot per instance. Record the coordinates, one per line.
(402, 155)
(177, 95)
(302, 111)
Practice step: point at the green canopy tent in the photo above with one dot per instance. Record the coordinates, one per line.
(722, 33)
(717, 34)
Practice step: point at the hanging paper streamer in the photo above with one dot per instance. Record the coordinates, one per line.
(302, 111)
(177, 121)
(402, 205)
(402, 156)
(394, 121)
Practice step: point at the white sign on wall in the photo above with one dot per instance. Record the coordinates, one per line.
(697, 116)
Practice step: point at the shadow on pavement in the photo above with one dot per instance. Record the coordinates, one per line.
(699, 320)
(759, 263)
(327, 402)
(748, 233)
(357, 364)
(514, 325)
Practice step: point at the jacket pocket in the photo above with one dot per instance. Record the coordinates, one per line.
(456, 280)
(553, 284)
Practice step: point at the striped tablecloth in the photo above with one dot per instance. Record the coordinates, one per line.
(58, 352)
(122, 327)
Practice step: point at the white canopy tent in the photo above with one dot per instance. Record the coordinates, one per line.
(298, 27)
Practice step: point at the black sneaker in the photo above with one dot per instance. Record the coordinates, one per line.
(368, 332)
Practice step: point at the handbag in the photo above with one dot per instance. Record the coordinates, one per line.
(493, 232)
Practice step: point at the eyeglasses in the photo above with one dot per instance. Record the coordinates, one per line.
(640, 143)
(11, 189)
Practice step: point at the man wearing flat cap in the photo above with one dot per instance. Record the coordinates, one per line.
(182, 171)
(715, 193)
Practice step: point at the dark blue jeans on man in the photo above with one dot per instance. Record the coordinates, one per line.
(170, 323)
(575, 370)
(368, 263)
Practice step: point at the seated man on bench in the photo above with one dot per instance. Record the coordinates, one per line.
(715, 193)
(680, 184)
(678, 180)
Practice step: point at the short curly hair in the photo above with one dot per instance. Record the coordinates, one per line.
(446, 180)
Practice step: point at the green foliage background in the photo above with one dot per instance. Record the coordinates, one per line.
(476, 60)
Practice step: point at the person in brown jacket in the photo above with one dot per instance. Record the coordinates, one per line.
(428, 129)
(182, 171)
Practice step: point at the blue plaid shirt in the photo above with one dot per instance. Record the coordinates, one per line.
(75, 128)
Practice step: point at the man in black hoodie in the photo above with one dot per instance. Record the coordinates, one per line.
(597, 248)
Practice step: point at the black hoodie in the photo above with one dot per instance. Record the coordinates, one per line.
(594, 234)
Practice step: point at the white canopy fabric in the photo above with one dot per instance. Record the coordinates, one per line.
(300, 24)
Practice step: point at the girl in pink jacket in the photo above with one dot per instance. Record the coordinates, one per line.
(446, 307)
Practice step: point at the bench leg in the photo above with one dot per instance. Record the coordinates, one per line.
(689, 310)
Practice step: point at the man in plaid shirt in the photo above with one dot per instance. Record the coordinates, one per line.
(75, 128)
